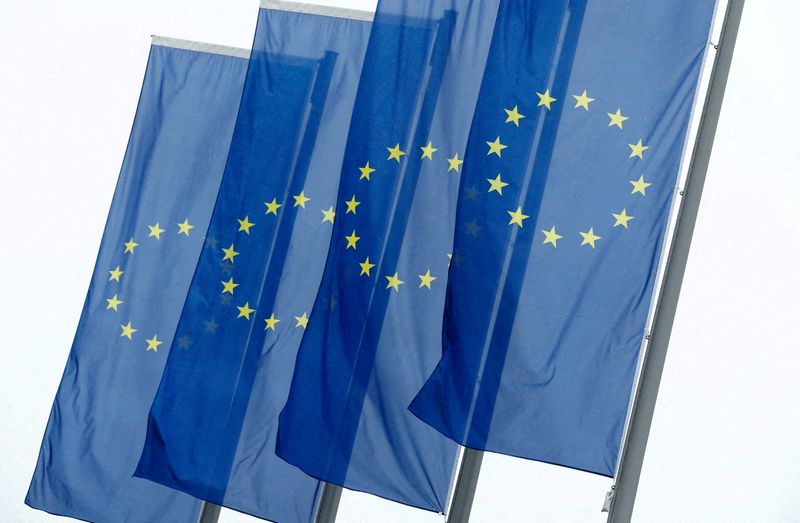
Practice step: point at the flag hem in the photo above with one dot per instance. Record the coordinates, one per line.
(191, 45)
(316, 9)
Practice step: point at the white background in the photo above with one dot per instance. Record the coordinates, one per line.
(725, 442)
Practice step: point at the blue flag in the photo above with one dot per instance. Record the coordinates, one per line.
(152, 240)
(374, 333)
(569, 176)
(212, 426)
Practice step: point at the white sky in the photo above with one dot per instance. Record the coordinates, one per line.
(725, 442)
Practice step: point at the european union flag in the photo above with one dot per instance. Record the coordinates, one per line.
(374, 333)
(152, 240)
(569, 177)
(212, 426)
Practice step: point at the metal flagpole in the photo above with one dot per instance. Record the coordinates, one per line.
(467, 482)
(210, 513)
(329, 504)
(623, 493)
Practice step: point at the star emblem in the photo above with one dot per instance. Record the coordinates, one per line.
(513, 116)
(155, 231)
(551, 236)
(616, 119)
(589, 238)
(582, 100)
(517, 217)
(426, 279)
(427, 151)
(455, 163)
(545, 99)
(185, 227)
(113, 303)
(245, 311)
(394, 282)
(395, 153)
(622, 218)
(300, 200)
(272, 207)
(495, 147)
(245, 225)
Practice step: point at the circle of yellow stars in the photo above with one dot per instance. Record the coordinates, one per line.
(517, 216)
(115, 303)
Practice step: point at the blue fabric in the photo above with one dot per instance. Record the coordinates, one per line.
(541, 339)
(211, 429)
(369, 348)
(170, 173)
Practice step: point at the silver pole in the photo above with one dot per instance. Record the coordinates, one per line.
(467, 482)
(630, 467)
(329, 504)
(210, 513)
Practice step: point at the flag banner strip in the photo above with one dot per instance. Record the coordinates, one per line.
(318, 9)
(151, 243)
(374, 334)
(203, 47)
(546, 315)
(211, 430)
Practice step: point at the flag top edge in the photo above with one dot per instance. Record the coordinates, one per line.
(191, 45)
(316, 9)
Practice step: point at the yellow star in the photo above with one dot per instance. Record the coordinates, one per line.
(394, 282)
(352, 240)
(517, 216)
(245, 311)
(352, 204)
(582, 100)
(496, 185)
(495, 147)
(272, 207)
(328, 215)
(127, 331)
(426, 279)
(185, 227)
(115, 274)
(113, 303)
(514, 115)
(395, 152)
(366, 171)
(622, 218)
(455, 163)
(130, 245)
(545, 99)
(637, 149)
(427, 151)
(229, 253)
(228, 286)
(244, 225)
(616, 119)
(300, 200)
(589, 237)
(271, 322)
(551, 236)
(639, 186)
(366, 266)
(302, 321)
(155, 231)
(153, 343)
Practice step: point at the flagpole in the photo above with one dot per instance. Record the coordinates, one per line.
(210, 513)
(623, 492)
(329, 504)
(466, 483)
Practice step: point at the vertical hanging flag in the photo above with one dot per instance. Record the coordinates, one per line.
(570, 172)
(212, 426)
(152, 240)
(375, 331)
